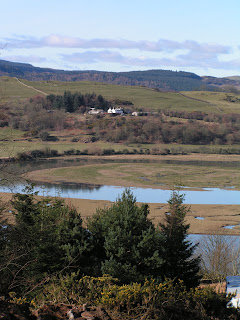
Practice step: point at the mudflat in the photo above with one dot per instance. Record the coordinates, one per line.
(203, 219)
(195, 171)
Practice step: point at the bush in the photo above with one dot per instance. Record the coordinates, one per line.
(149, 300)
(44, 136)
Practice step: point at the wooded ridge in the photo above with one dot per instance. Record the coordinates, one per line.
(165, 80)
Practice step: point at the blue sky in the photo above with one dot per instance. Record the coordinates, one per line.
(110, 35)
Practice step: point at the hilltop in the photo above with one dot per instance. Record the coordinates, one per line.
(165, 80)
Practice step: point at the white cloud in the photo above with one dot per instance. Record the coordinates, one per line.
(200, 60)
(122, 52)
(144, 45)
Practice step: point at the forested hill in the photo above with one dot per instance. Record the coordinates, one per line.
(162, 79)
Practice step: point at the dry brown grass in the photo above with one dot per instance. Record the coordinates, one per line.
(215, 216)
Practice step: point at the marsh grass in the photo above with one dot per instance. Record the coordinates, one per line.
(144, 175)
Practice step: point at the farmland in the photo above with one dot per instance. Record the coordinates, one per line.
(141, 97)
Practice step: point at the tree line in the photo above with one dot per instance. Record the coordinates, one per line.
(156, 129)
(77, 102)
(48, 238)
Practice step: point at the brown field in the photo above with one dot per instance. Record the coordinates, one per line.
(215, 216)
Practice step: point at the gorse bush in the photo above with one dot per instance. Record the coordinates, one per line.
(147, 300)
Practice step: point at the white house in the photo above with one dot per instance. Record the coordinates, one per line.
(233, 287)
(116, 111)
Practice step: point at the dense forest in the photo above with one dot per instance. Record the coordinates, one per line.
(166, 80)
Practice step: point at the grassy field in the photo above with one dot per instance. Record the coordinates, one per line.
(151, 175)
(14, 141)
(12, 148)
(11, 89)
(141, 97)
(214, 217)
(218, 100)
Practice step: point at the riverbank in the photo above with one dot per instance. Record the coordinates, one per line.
(203, 219)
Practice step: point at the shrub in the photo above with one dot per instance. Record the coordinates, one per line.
(44, 136)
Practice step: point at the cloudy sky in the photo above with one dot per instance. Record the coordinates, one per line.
(123, 35)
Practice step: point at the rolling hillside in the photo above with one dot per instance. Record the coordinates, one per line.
(164, 80)
(141, 97)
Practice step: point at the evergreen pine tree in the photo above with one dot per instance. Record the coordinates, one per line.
(178, 254)
(127, 242)
(47, 238)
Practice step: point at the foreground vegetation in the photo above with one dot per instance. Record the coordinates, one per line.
(48, 256)
(47, 252)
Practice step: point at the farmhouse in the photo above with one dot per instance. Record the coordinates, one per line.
(116, 111)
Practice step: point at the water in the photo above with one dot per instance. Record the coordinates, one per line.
(148, 195)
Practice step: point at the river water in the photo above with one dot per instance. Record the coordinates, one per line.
(148, 195)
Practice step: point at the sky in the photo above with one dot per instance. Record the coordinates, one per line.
(123, 35)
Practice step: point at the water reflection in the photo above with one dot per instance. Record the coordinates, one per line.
(97, 192)
(148, 195)
(40, 164)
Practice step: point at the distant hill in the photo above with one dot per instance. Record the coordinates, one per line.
(236, 78)
(165, 80)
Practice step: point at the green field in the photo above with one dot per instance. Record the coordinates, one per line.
(141, 97)
(154, 175)
(11, 89)
(218, 100)
(16, 143)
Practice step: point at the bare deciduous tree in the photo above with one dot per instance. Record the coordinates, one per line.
(220, 256)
